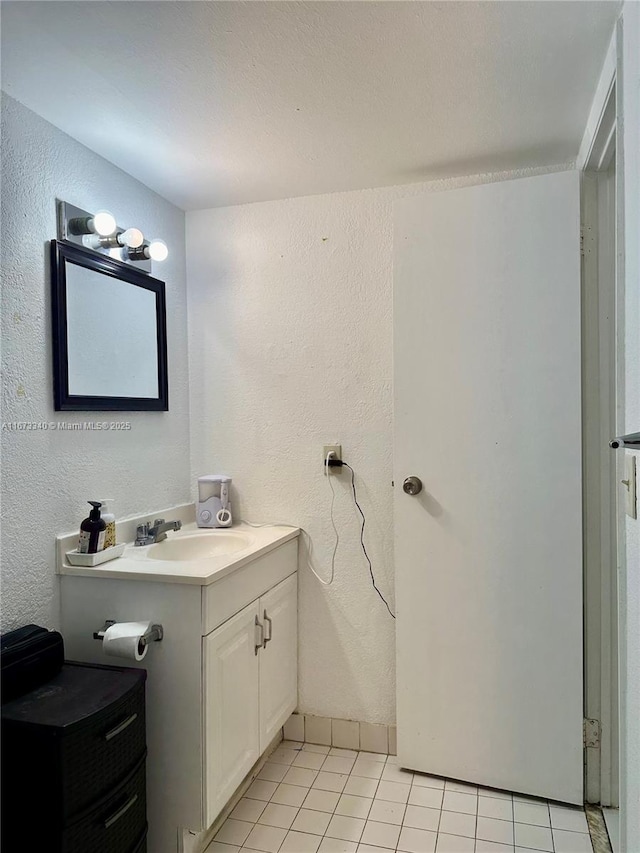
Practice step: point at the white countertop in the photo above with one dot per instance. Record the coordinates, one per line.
(137, 563)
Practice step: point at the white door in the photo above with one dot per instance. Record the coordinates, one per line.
(279, 658)
(489, 554)
(231, 735)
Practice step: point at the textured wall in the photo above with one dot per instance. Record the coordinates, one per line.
(48, 476)
(290, 345)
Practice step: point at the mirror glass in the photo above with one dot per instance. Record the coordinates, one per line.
(109, 333)
(111, 329)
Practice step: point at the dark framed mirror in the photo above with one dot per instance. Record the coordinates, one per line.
(109, 334)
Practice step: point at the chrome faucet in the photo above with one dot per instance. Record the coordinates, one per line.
(149, 534)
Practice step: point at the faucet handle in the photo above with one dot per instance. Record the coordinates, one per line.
(142, 534)
(158, 522)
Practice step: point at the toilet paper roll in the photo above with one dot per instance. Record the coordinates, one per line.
(122, 640)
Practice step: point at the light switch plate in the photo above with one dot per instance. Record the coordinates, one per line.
(630, 484)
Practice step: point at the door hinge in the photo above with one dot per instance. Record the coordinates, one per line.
(591, 733)
(582, 242)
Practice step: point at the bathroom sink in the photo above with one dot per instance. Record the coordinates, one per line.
(191, 555)
(198, 546)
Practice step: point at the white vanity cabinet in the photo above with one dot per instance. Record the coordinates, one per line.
(250, 678)
(221, 682)
(278, 659)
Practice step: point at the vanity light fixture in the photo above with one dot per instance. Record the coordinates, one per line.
(101, 233)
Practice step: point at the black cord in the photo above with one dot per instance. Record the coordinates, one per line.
(355, 498)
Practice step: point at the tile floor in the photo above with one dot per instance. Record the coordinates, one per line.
(317, 799)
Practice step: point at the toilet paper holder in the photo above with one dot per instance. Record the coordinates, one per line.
(153, 635)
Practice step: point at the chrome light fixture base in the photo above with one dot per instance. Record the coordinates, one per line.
(68, 215)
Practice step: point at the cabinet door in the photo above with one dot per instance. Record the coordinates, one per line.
(231, 727)
(279, 658)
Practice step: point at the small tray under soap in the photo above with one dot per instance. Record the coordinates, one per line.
(74, 558)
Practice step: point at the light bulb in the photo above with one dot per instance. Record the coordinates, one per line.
(157, 250)
(103, 223)
(132, 237)
(92, 241)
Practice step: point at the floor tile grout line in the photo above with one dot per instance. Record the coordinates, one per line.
(475, 834)
(440, 820)
(553, 840)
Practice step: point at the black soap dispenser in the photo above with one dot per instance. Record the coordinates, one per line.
(92, 531)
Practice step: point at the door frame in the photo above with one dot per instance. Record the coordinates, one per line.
(603, 381)
(603, 209)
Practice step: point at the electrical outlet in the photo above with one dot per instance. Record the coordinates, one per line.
(336, 449)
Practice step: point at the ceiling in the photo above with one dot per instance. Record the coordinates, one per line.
(218, 103)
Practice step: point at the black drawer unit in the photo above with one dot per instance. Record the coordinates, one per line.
(73, 769)
(117, 823)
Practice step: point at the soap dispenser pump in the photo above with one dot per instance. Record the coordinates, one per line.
(92, 531)
(214, 507)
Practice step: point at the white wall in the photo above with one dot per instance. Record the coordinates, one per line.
(290, 342)
(629, 76)
(47, 476)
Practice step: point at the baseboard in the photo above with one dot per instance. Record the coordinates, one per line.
(346, 734)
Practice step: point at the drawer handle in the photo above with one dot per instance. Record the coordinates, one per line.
(266, 639)
(121, 811)
(121, 727)
(258, 645)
